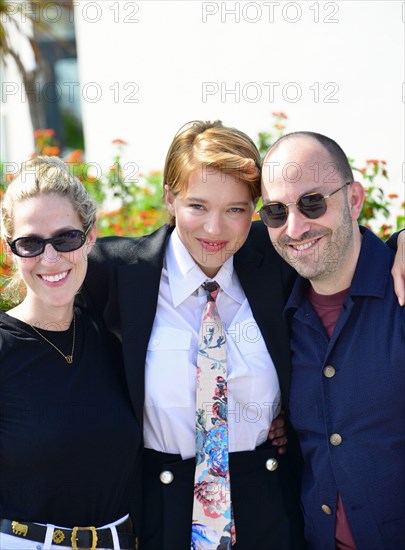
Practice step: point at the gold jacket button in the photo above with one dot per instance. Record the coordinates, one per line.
(326, 509)
(166, 477)
(329, 371)
(335, 439)
(271, 464)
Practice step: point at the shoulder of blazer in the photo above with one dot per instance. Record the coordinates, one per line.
(113, 254)
(115, 251)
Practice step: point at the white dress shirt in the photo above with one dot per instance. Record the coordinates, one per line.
(171, 361)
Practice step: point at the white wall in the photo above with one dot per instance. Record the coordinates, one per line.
(16, 134)
(149, 61)
(169, 49)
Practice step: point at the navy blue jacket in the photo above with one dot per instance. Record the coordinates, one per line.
(363, 403)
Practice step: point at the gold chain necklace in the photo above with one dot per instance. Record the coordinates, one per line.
(68, 358)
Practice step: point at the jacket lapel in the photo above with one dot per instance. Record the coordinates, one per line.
(138, 291)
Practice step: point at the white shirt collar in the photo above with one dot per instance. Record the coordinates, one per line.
(185, 276)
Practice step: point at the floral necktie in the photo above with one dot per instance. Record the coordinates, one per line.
(213, 523)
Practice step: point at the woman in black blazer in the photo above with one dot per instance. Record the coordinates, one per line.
(148, 292)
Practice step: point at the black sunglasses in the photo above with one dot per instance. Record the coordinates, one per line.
(312, 205)
(29, 247)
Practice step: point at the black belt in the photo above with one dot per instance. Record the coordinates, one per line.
(76, 538)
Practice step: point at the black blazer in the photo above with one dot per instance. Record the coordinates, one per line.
(123, 286)
(123, 280)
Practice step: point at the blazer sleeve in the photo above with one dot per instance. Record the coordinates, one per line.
(99, 291)
(392, 241)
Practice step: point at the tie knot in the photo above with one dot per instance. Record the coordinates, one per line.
(212, 287)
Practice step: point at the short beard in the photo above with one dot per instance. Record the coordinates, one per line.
(327, 263)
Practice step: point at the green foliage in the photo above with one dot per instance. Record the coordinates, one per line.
(266, 139)
(72, 130)
(142, 209)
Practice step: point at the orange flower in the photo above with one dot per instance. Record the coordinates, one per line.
(75, 157)
(119, 142)
(392, 196)
(279, 126)
(280, 114)
(117, 229)
(115, 167)
(47, 132)
(9, 177)
(5, 270)
(385, 231)
(110, 214)
(362, 170)
(372, 161)
(51, 150)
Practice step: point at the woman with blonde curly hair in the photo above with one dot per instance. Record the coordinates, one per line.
(69, 440)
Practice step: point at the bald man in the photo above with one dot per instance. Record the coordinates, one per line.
(347, 340)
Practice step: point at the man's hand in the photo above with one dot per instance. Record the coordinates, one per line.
(398, 269)
(277, 433)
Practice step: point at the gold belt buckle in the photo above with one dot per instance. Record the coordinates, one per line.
(94, 537)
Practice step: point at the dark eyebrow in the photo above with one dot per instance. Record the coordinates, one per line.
(195, 199)
(204, 201)
(55, 234)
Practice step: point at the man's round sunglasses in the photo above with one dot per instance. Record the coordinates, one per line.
(312, 205)
(29, 247)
